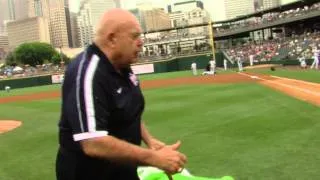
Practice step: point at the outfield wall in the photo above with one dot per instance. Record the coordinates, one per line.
(283, 62)
(183, 63)
(180, 64)
(177, 64)
(26, 82)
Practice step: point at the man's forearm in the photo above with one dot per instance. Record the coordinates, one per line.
(116, 150)
(146, 136)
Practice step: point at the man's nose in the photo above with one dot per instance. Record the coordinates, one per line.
(139, 42)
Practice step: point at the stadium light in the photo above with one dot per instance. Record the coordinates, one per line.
(211, 36)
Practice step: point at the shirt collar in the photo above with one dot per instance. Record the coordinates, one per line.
(96, 50)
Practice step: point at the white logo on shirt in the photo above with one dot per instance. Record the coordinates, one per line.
(119, 91)
(133, 79)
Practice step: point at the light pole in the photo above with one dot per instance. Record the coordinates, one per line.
(211, 38)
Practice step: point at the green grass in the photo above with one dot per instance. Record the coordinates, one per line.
(168, 75)
(30, 90)
(29, 151)
(244, 130)
(177, 74)
(306, 75)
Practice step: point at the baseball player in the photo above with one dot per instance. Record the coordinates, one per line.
(251, 58)
(194, 68)
(239, 61)
(302, 61)
(225, 64)
(315, 63)
(7, 88)
(212, 66)
(207, 70)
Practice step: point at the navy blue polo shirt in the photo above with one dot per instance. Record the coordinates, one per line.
(97, 101)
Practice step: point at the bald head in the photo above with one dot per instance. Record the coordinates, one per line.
(118, 35)
(113, 21)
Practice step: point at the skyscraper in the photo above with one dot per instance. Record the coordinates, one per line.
(37, 28)
(68, 22)
(270, 3)
(58, 23)
(187, 5)
(88, 17)
(74, 30)
(38, 8)
(55, 12)
(198, 16)
(138, 14)
(118, 3)
(4, 15)
(169, 8)
(21, 9)
(155, 19)
(12, 10)
(236, 8)
(260, 5)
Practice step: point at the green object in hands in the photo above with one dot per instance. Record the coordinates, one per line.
(150, 173)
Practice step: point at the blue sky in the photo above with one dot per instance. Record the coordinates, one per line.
(214, 7)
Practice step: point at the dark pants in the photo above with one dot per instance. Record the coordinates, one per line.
(72, 166)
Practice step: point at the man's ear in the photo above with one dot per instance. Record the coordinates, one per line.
(111, 38)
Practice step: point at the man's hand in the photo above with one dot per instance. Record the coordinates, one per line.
(155, 144)
(169, 159)
(149, 140)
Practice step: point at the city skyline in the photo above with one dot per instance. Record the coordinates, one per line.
(217, 14)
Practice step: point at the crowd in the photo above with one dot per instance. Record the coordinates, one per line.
(163, 37)
(288, 48)
(16, 71)
(268, 18)
(263, 51)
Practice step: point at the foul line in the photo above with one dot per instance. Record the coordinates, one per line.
(281, 84)
(314, 84)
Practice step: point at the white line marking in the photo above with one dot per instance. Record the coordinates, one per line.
(286, 85)
(300, 81)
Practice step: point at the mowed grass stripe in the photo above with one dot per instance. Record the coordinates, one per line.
(244, 130)
(240, 131)
(29, 151)
(30, 90)
(305, 75)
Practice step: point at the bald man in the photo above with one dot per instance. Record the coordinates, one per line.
(100, 128)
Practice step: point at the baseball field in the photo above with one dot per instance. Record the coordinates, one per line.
(256, 125)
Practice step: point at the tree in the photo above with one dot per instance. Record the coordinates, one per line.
(56, 58)
(11, 59)
(34, 53)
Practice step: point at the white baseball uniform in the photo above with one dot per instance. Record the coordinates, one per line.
(194, 68)
(212, 66)
(315, 63)
(239, 61)
(225, 64)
